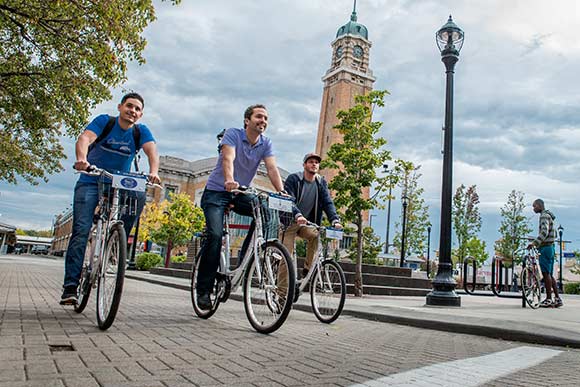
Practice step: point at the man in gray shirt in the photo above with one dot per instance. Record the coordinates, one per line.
(312, 199)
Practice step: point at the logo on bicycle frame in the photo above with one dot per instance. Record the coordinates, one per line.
(129, 182)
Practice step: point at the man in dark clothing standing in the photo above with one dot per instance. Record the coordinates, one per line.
(545, 244)
(312, 199)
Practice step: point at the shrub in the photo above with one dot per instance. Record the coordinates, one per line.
(178, 258)
(572, 288)
(146, 261)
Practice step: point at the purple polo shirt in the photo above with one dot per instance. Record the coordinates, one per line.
(248, 158)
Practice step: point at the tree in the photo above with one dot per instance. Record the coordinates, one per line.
(475, 248)
(372, 246)
(417, 211)
(514, 227)
(171, 222)
(356, 159)
(58, 60)
(466, 219)
(34, 233)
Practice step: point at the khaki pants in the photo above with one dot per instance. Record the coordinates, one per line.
(310, 235)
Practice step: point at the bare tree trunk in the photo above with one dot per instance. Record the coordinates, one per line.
(358, 283)
(168, 253)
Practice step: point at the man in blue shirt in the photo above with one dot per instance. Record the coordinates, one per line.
(114, 153)
(242, 151)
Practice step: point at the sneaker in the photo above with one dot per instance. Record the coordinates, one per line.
(558, 303)
(547, 303)
(69, 296)
(203, 301)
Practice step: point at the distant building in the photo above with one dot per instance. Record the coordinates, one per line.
(7, 238)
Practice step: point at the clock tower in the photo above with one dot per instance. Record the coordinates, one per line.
(348, 76)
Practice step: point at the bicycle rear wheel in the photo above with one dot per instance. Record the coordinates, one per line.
(202, 313)
(531, 288)
(328, 291)
(269, 290)
(85, 285)
(111, 276)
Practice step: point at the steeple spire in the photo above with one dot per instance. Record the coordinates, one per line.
(353, 15)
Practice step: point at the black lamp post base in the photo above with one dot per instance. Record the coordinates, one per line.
(443, 298)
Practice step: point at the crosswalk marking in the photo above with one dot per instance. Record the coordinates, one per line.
(468, 372)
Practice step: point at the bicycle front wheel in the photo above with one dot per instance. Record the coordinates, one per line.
(269, 287)
(531, 288)
(85, 285)
(111, 276)
(328, 291)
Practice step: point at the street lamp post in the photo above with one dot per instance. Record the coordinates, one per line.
(405, 200)
(428, 250)
(560, 232)
(449, 40)
(386, 167)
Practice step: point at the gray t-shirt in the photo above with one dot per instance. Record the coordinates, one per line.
(308, 198)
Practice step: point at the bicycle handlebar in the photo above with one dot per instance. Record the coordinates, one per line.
(93, 170)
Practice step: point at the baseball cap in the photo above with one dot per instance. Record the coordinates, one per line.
(312, 156)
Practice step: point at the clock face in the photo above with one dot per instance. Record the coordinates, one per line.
(357, 51)
(339, 51)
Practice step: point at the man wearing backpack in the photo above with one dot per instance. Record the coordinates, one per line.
(110, 143)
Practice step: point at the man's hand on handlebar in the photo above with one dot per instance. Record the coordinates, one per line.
(337, 226)
(153, 178)
(231, 185)
(81, 165)
(301, 220)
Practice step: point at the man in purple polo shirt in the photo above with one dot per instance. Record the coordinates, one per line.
(242, 151)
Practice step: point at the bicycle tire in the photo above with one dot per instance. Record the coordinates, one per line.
(267, 305)
(201, 313)
(85, 286)
(113, 269)
(531, 288)
(328, 291)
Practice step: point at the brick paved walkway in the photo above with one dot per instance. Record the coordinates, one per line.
(156, 341)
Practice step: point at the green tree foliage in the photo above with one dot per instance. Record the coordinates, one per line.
(58, 60)
(513, 229)
(172, 222)
(475, 248)
(357, 159)
(35, 233)
(466, 219)
(417, 211)
(372, 246)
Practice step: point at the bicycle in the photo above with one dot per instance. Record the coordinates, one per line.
(530, 278)
(328, 285)
(267, 305)
(106, 252)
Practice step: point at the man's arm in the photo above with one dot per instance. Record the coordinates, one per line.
(544, 231)
(82, 148)
(228, 157)
(150, 149)
(273, 173)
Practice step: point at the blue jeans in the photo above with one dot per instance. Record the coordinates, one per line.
(86, 198)
(214, 205)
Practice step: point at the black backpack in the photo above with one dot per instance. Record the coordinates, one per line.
(107, 129)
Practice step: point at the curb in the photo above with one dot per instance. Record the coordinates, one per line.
(438, 325)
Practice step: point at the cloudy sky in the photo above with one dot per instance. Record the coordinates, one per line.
(517, 94)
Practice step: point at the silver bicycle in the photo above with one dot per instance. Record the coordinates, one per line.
(326, 279)
(106, 252)
(267, 298)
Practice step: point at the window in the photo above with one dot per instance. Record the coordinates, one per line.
(170, 189)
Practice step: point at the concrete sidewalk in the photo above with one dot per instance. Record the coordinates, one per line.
(500, 318)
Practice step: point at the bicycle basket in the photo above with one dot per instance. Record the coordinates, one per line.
(276, 214)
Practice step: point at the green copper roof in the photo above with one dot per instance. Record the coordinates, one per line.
(352, 27)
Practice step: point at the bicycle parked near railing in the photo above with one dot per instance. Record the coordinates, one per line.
(326, 279)
(530, 278)
(267, 304)
(106, 252)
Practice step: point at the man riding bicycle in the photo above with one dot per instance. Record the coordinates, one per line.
(312, 199)
(110, 143)
(241, 152)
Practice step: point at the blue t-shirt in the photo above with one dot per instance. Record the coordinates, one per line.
(248, 158)
(116, 152)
